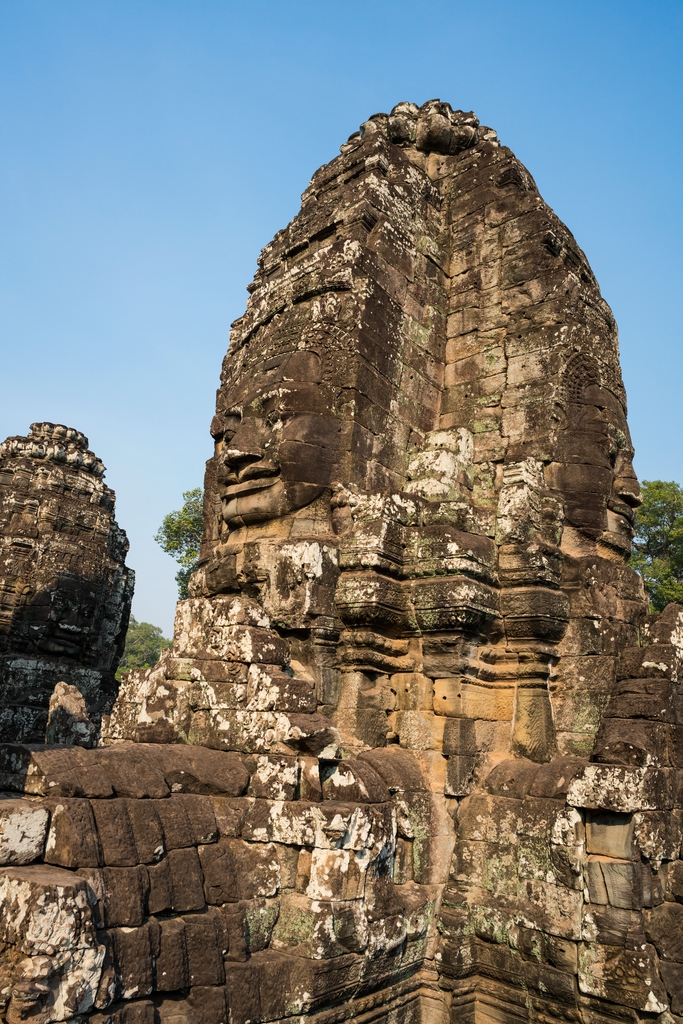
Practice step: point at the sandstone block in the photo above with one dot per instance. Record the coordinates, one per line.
(309, 779)
(512, 778)
(189, 769)
(171, 968)
(23, 831)
(459, 775)
(175, 824)
(44, 910)
(554, 779)
(413, 691)
(139, 1012)
(624, 976)
(610, 834)
(623, 789)
(663, 927)
(200, 817)
(305, 928)
(533, 731)
(68, 722)
(133, 770)
(672, 976)
(235, 870)
(133, 952)
(615, 882)
(675, 880)
(160, 897)
(553, 908)
(53, 771)
(120, 895)
(336, 875)
(208, 1005)
(610, 926)
(651, 699)
(658, 835)
(230, 814)
(633, 742)
(459, 737)
(419, 730)
(397, 767)
(58, 987)
(489, 818)
(537, 612)
(274, 777)
(473, 700)
(654, 662)
(186, 880)
(147, 832)
(115, 833)
(72, 840)
(354, 782)
(270, 689)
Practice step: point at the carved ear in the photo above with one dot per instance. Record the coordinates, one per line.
(559, 416)
(304, 366)
(580, 372)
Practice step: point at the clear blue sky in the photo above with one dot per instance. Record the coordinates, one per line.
(150, 148)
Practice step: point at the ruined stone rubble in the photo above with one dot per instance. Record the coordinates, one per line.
(65, 590)
(416, 753)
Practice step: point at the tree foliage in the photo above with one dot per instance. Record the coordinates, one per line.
(144, 644)
(180, 535)
(658, 544)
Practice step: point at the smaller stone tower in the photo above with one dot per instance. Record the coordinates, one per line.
(65, 591)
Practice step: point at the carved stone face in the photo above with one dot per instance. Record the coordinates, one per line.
(598, 480)
(63, 616)
(65, 591)
(280, 441)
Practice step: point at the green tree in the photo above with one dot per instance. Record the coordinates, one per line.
(144, 644)
(180, 535)
(658, 543)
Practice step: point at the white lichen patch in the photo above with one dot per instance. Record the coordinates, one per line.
(23, 828)
(43, 912)
(437, 472)
(615, 788)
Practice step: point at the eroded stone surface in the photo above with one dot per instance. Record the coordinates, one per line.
(68, 721)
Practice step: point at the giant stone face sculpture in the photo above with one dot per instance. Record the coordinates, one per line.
(414, 754)
(422, 414)
(65, 591)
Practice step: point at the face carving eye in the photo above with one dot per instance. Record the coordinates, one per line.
(232, 422)
(277, 418)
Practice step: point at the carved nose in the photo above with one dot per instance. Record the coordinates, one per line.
(245, 465)
(236, 461)
(628, 489)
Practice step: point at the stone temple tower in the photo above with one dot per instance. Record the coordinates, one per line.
(416, 754)
(65, 590)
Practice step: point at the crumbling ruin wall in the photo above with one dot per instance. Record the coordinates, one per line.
(65, 591)
(415, 752)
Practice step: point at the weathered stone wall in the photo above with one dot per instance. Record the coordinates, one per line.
(564, 892)
(415, 753)
(65, 591)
